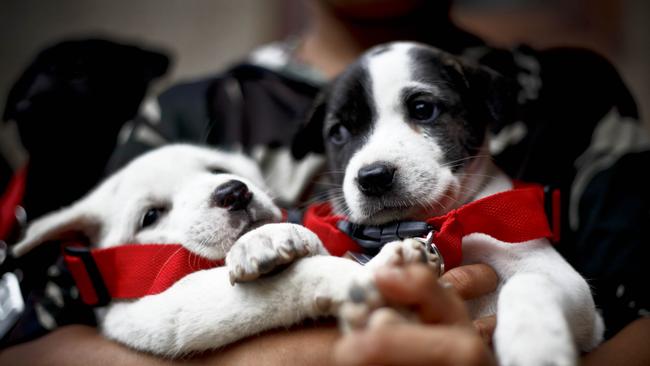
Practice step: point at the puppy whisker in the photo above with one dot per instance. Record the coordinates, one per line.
(451, 163)
(318, 198)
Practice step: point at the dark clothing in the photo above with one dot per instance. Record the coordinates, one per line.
(577, 129)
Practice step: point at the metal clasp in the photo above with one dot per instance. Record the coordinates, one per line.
(436, 260)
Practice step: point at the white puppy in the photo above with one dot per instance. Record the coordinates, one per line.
(211, 203)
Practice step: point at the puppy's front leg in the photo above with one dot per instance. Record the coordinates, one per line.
(204, 311)
(544, 307)
(543, 316)
(532, 328)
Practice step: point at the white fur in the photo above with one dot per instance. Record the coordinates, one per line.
(544, 307)
(203, 310)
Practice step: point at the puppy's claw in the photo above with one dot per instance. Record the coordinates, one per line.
(255, 266)
(236, 274)
(285, 254)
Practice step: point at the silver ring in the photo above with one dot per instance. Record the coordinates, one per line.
(432, 248)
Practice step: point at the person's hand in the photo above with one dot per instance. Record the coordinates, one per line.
(446, 335)
(471, 282)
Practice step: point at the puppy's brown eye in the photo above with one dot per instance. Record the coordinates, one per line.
(422, 110)
(151, 217)
(338, 134)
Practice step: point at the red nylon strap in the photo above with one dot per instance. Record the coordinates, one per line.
(319, 219)
(513, 216)
(136, 270)
(11, 198)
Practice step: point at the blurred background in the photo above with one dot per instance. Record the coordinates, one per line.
(204, 36)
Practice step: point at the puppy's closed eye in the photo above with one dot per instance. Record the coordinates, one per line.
(217, 170)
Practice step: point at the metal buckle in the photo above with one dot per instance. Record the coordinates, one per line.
(437, 260)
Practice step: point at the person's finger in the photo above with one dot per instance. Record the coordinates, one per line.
(485, 327)
(472, 280)
(416, 286)
(413, 344)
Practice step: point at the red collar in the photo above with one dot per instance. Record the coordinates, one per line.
(130, 271)
(136, 270)
(513, 216)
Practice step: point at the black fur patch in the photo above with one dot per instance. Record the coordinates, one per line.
(351, 104)
(461, 126)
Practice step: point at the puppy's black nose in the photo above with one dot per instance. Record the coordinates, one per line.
(375, 179)
(233, 195)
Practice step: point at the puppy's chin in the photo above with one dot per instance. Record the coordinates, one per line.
(374, 211)
(389, 214)
(221, 239)
(254, 224)
(263, 214)
(382, 216)
(259, 214)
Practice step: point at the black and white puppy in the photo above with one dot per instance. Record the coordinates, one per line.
(407, 125)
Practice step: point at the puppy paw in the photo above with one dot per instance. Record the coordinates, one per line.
(548, 352)
(363, 299)
(269, 247)
(403, 252)
(365, 308)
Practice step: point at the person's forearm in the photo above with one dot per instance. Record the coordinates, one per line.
(74, 345)
(308, 345)
(629, 347)
(82, 345)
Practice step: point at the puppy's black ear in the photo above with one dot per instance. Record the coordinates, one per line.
(494, 93)
(155, 64)
(16, 99)
(309, 137)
